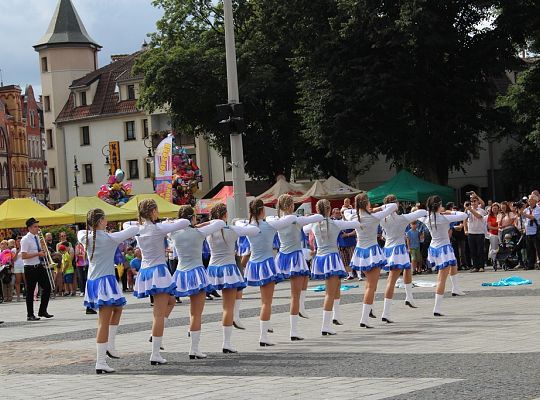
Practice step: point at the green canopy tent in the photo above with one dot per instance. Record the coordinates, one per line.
(408, 187)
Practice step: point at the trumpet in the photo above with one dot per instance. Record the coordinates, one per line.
(47, 261)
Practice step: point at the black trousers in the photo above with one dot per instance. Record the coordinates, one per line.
(476, 245)
(533, 245)
(36, 275)
(82, 276)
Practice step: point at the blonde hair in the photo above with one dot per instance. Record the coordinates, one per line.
(255, 208)
(323, 208)
(218, 211)
(285, 201)
(361, 202)
(145, 208)
(186, 212)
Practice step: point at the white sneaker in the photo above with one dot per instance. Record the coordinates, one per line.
(197, 355)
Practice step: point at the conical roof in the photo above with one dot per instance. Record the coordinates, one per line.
(66, 27)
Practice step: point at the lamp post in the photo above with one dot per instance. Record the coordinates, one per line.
(237, 152)
(76, 173)
(106, 154)
(150, 157)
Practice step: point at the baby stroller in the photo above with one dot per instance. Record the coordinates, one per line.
(511, 245)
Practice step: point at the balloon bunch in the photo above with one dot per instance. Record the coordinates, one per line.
(186, 176)
(6, 257)
(115, 192)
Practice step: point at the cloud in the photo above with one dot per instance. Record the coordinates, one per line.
(120, 26)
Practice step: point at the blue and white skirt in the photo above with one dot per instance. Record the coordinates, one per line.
(324, 267)
(367, 259)
(102, 292)
(261, 273)
(442, 257)
(191, 282)
(292, 264)
(242, 246)
(153, 280)
(226, 277)
(397, 257)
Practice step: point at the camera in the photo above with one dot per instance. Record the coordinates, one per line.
(518, 204)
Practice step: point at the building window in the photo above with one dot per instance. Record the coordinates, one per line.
(85, 136)
(88, 176)
(130, 130)
(131, 92)
(47, 103)
(145, 128)
(147, 169)
(44, 66)
(52, 178)
(133, 169)
(83, 98)
(50, 143)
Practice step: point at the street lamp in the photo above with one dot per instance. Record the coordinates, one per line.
(150, 157)
(76, 173)
(237, 152)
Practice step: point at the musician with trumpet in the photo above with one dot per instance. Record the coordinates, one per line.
(35, 271)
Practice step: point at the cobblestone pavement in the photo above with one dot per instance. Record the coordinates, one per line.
(486, 347)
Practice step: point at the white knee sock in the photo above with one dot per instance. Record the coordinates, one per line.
(227, 333)
(408, 292)
(455, 285)
(156, 344)
(101, 357)
(294, 325)
(386, 308)
(337, 309)
(264, 326)
(195, 339)
(112, 337)
(303, 294)
(438, 303)
(366, 309)
(327, 322)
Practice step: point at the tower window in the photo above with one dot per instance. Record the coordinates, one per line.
(85, 136)
(44, 65)
(47, 103)
(50, 143)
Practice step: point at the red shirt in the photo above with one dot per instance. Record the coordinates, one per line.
(492, 221)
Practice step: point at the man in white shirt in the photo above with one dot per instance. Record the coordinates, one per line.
(34, 271)
(475, 229)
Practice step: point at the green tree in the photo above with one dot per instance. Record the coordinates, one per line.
(185, 68)
(410, 80)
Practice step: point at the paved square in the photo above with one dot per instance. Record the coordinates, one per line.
(486, 347)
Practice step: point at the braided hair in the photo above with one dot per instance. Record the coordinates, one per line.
(93, 217)
(361, 202)
(255, 208)
(391, 198)
(218, 212)
(285, 201)
(433, 204)
(323, 208)
(145, 208)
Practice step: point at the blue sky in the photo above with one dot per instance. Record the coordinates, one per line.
(120, 26)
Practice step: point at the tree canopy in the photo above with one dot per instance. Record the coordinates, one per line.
(330, 84)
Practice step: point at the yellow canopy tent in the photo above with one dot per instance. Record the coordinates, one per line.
(15, 212)
(166, 209)
(78, 207)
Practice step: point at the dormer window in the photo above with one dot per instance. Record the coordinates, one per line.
(131, 92)
(82, 97)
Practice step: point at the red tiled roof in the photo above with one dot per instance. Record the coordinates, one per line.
(105, 101)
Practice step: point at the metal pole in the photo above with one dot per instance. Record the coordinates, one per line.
(237, 152)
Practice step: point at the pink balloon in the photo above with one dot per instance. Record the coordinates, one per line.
(111, 180)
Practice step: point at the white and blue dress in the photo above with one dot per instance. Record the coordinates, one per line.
(154, 276)
(261, 268)
(190, 276)
(395, 248)
(223, 272)
(290, 260)
(440, 251)
(327, 262)
(367, 253)
(102, 288)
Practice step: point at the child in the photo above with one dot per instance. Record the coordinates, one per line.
(129, 256)
(67, 269)
(413, 245)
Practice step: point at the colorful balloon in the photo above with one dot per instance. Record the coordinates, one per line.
(119, 175)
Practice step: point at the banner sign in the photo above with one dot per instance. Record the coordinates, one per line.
(164, 169)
